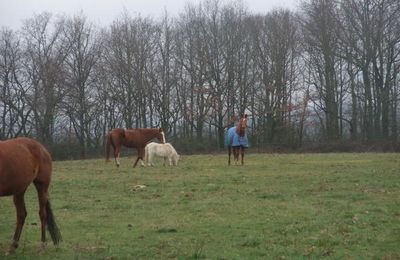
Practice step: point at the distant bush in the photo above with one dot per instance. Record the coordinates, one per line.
(349, 146)
(72, 151)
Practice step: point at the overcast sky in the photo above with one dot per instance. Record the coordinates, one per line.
(103, 12)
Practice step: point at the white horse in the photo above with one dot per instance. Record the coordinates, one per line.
(167, 151)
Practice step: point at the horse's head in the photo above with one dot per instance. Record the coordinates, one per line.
(161, 136)
(241, 129)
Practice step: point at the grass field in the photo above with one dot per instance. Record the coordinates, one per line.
(338, 206)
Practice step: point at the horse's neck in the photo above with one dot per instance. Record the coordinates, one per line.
(149, 134)
(240, 131)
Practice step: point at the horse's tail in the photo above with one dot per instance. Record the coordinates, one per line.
(108, 144)
(52, 226)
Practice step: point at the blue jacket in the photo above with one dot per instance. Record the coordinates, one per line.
(233, 139)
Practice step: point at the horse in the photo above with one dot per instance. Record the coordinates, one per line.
(23, 161)
(131, 138)
(167, 151)
(236, 140)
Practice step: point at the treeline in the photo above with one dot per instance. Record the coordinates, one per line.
(327, 73)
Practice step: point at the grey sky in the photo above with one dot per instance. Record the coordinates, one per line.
(103, 12)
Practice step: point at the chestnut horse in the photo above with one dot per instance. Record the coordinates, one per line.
(132, 138)
(23, 161)
(236, 140)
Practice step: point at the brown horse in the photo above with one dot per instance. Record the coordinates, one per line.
(132, 138)
(23, 161)
(236, 140)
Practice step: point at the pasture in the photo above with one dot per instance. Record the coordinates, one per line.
(275, 206)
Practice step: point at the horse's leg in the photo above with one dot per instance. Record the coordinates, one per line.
(165, 161)
(146, 156)
(170, 161)
(116, 154)
(137, 159)
(166, 158)
(234, 154)
(150, 159)
(237, 155)
(116, 148)
(242, 152)
(229, 155)
(140, 156)
(42, 190)
(21, 215)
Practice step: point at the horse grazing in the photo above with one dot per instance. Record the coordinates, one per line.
(236, 140)
(167, 151)
(132, 138)
(23, 161)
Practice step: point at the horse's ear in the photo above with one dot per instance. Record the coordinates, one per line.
(160, 130)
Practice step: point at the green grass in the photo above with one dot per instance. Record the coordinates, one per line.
(337, 206)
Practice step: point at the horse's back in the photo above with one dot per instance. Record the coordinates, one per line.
(37, 150)
(151, 144)
(22, 160)
(160, 149)
(132, 138)
(43, 159)
(117, 134)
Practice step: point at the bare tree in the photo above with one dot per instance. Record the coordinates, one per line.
(164, 78)
(370, 32)
(277, 45)
(80, 104)
(195, 92)
(15, 112)
(321, 40)
(45, 53)
(129, 52)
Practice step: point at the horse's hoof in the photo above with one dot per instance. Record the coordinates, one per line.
(42, 247)
(12, 248)
(10, 251)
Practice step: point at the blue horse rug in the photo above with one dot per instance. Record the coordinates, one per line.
(233, 139)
